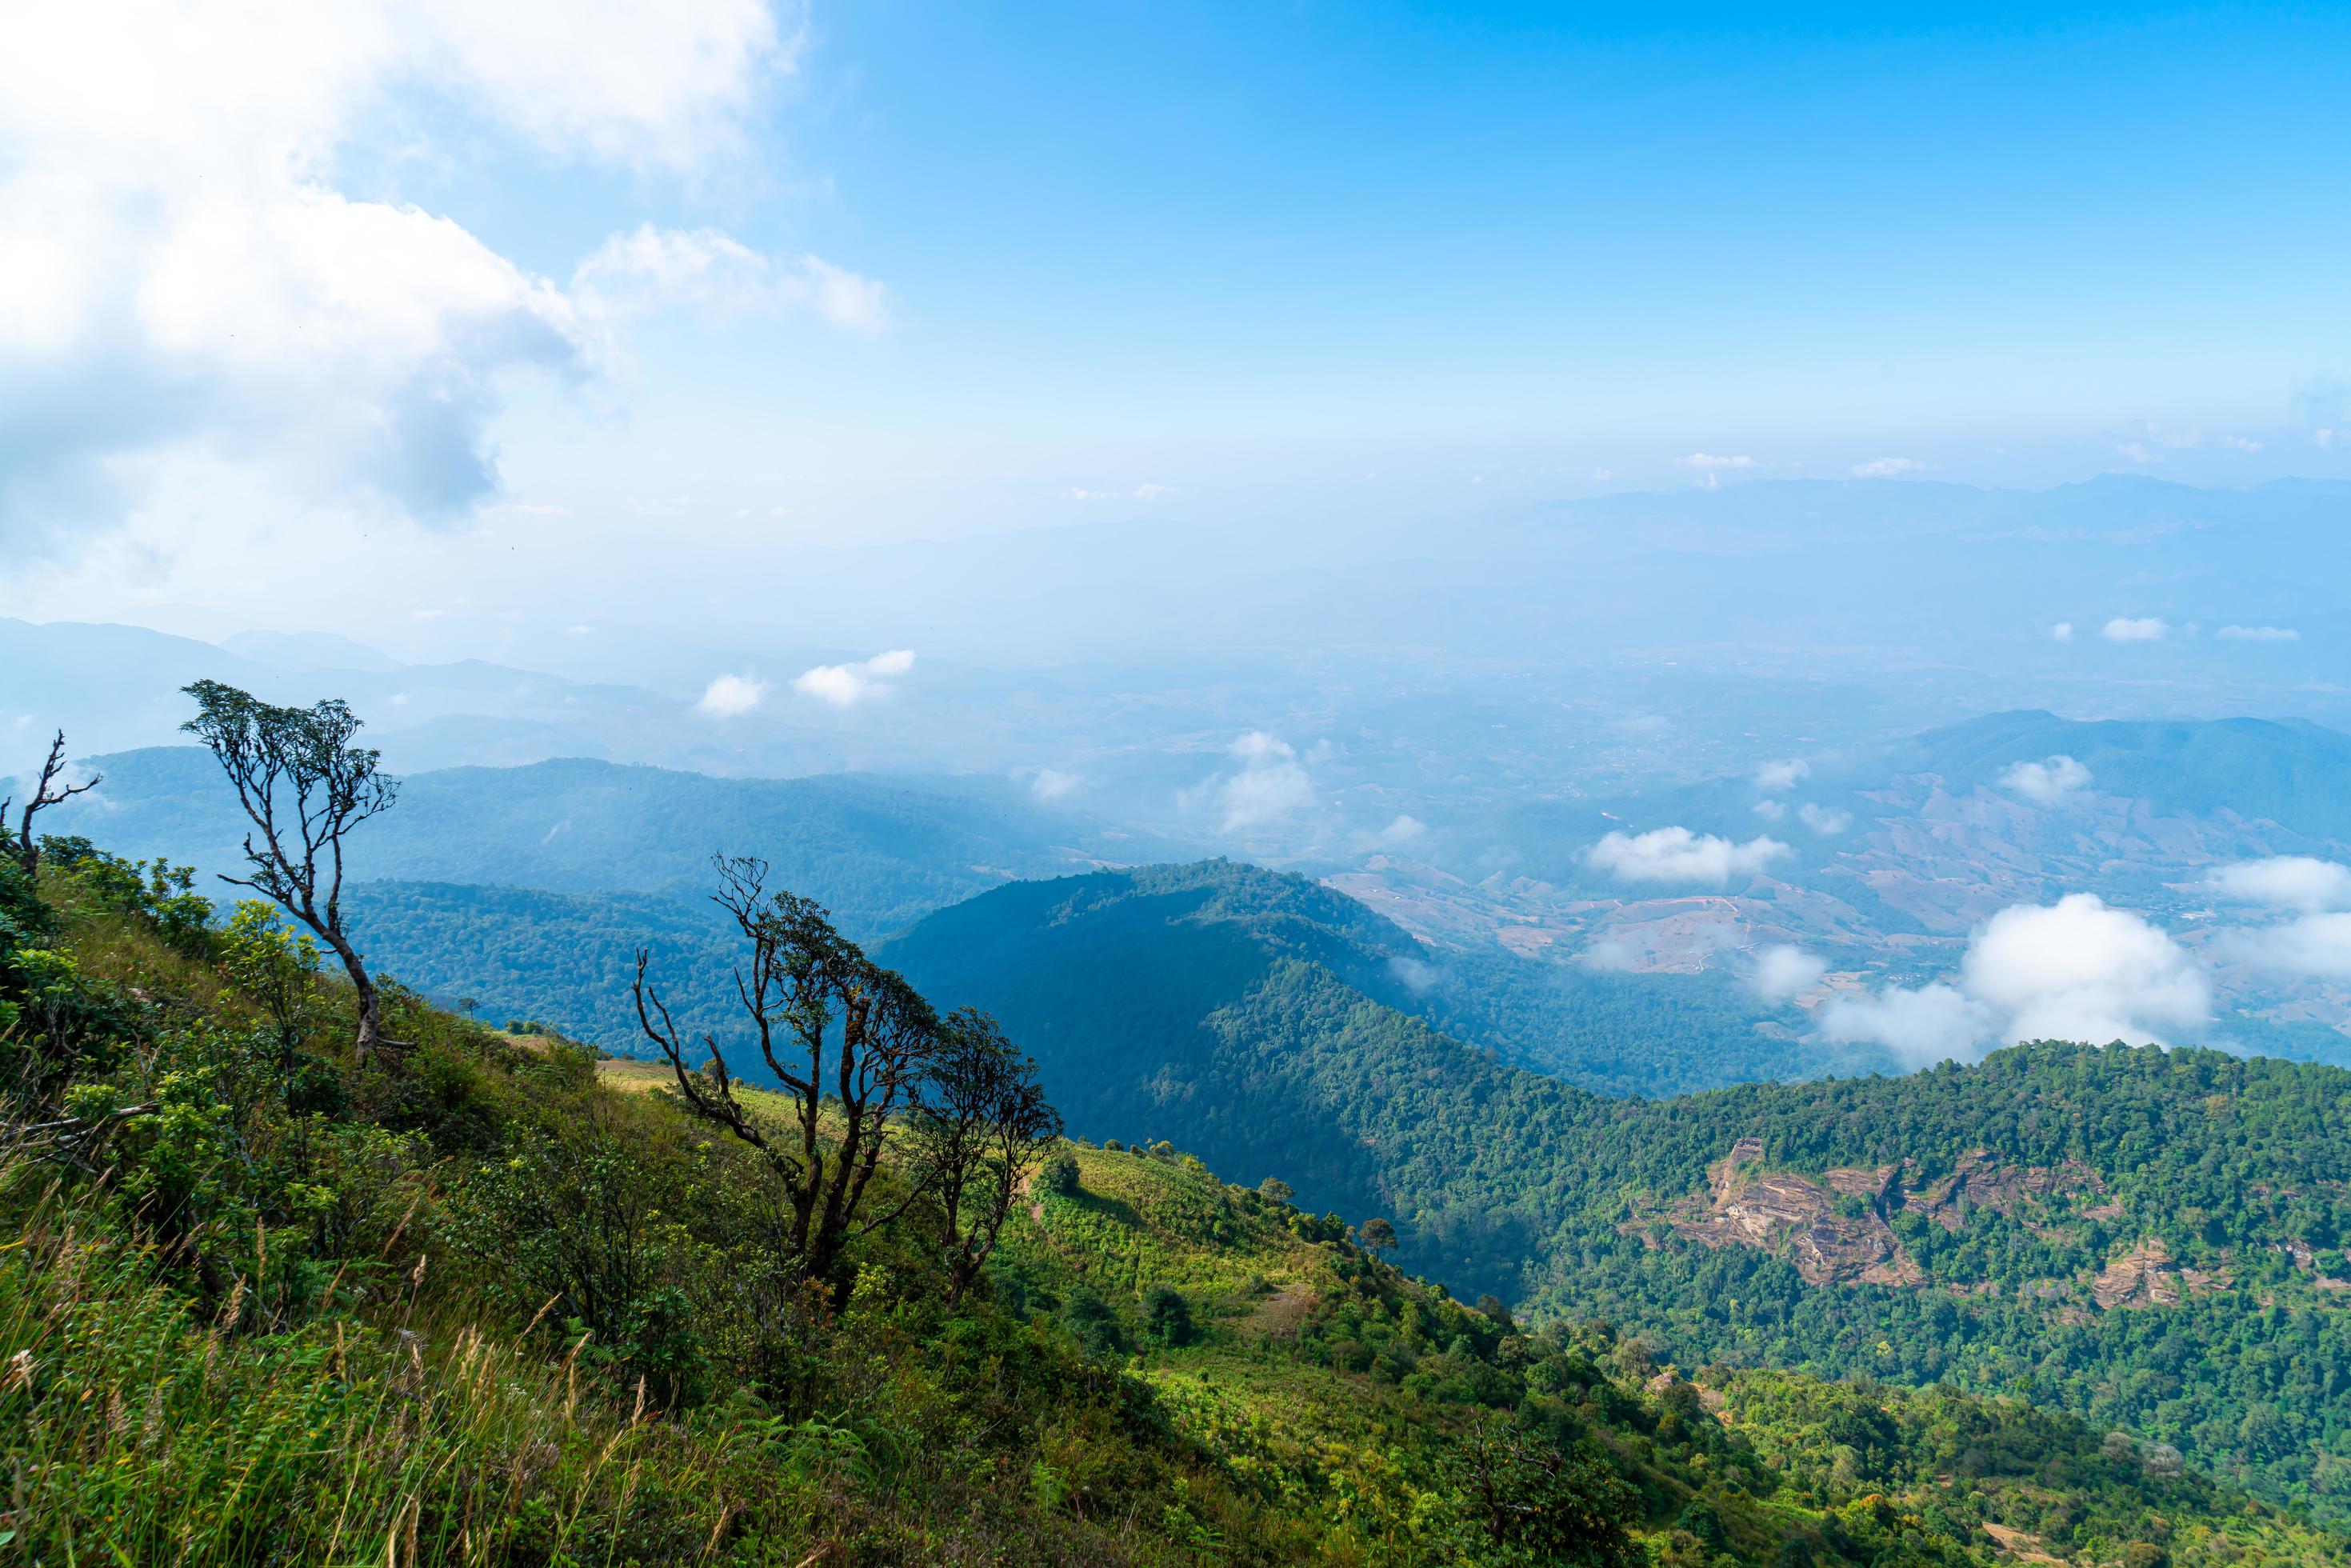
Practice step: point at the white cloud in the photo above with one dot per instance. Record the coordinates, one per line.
(1782, 972)
(2312, 945)
(1708, 461)
(1405, 830)
(1052, 784)
(1271, 784)
(186, 278)
(1930, 1024)
(2260, 633)
(1416, 976)
(1078, 493)
(1604, 475)
(2284, 882)
(2063, 632)
(1148, 492)
(2240, 444)
(846, 685)
(1676, 855)
(1886, 467)
(732, 697)
(2135, 629)
(2052, 781)
(1776, 776)
(2079, 970)
(1826, 821)
(1771, 810)
(711, 271)
(2076, 970)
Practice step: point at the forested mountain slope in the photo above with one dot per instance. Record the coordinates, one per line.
(2151, 1238)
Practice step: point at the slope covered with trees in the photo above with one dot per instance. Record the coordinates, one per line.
(2150, 1240)
(485, 1301)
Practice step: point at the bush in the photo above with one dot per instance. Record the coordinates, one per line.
(1090, 1318)
(1168, 1317)
(1059, 1176)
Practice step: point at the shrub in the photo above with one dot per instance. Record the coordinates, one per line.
(1059, 1176)
(1168, 1317)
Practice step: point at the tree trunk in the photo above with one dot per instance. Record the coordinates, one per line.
(369, 1042)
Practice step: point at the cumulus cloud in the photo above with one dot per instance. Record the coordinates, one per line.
(2260, 633)
(1676, 855)
(846, 685)
(1405, 830)
(732, 697)
(1928, 1024)
(187, 278)
(1826, 821)
(2075, 970)
(1771, 810)
(1782, 972)
(1707, 460)
(2063, 632)
(1886, 467)
(1776, 776)
(2284, 882)
(1270, 785)
(2317, 946)
(2135, 629)
(2052, 781)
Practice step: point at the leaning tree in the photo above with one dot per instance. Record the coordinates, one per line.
(47, 792)
(305, 787)
(849, 1042)
(982, 1122)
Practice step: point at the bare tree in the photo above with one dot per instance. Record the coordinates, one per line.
(305, 787)
(982, 1122)
(48, 792)
(832, 1027)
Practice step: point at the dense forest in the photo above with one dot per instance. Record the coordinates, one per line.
(2148, 1239)
(481, 1298)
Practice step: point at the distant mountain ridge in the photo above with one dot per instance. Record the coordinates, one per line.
(878, 852)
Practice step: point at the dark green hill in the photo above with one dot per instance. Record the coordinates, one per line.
(2150, 1240)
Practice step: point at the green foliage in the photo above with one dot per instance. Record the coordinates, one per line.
(492, 1307)
(1058, 1177)
(1214, 1003)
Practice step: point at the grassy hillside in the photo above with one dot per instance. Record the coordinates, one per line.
(482, 1304)
(2148, 1239)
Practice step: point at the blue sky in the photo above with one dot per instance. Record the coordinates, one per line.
(1077, 261)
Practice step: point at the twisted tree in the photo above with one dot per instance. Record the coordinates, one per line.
(47, 792)
(305, 787)
(982, 1121)
(849, 1042)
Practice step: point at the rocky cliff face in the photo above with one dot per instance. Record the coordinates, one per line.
(1833, 1227)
